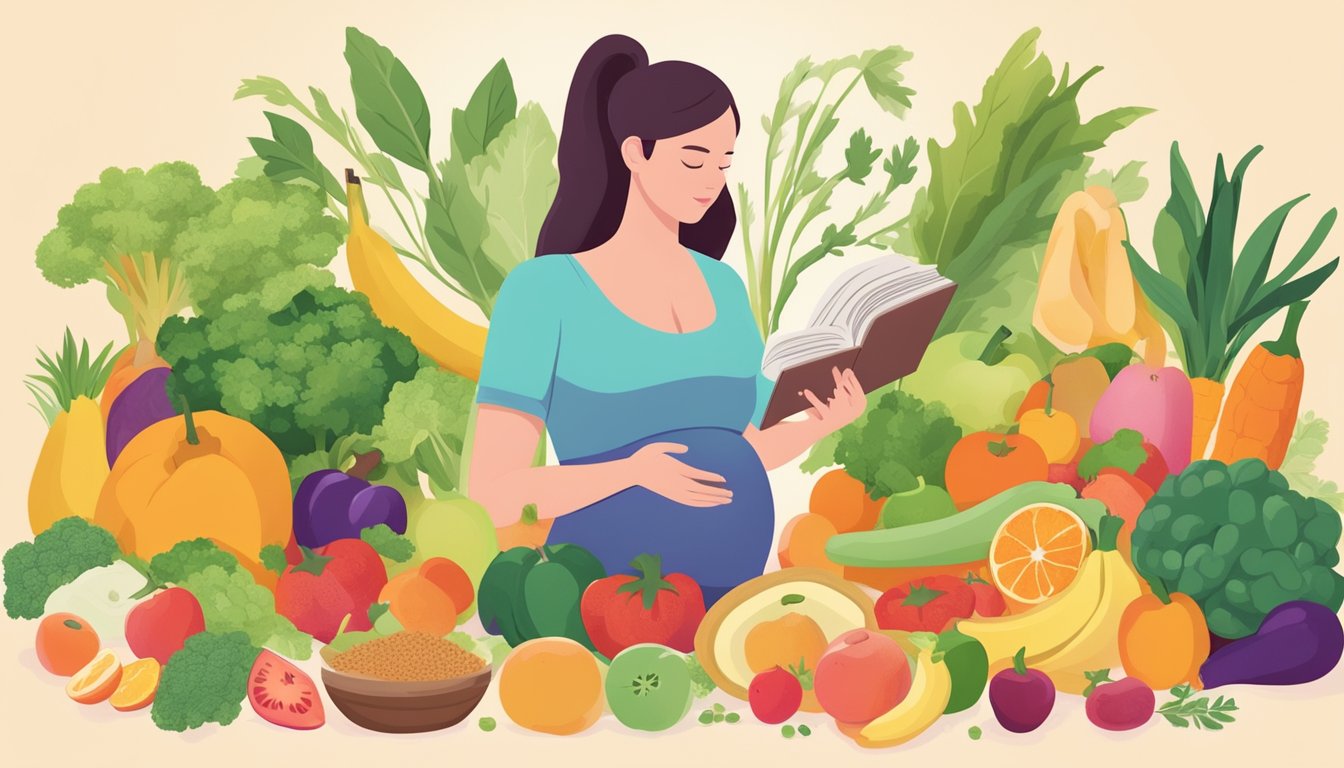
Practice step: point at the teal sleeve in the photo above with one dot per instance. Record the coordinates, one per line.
(518, 367)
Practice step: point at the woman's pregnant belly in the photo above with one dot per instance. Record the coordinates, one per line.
(720, 546)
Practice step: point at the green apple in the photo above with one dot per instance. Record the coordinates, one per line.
(458, 529)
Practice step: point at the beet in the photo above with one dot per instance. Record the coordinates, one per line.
(1122, 705)
(1021, 698)
(143, 402)
(1299, 641)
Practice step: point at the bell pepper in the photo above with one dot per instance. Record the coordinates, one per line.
(978, 380)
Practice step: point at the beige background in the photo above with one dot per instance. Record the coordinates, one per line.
(131, 84)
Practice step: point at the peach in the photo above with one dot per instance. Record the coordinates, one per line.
(862, 675)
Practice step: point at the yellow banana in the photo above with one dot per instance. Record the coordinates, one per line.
(402, 302)
(1045, 627)
(71, 466)
(929, 693)
(1097, 645)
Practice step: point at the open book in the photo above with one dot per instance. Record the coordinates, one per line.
(877, 318)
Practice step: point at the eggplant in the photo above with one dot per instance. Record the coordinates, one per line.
(331, 504)
(1299, 641)
(143, 402)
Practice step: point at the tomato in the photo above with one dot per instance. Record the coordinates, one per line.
(648, 687)
(775, 695)
(283, 695)
(623, 610)
(925, 605)
(988, 599)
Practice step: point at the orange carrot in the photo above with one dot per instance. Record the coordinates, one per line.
(1208, 400)
(1261, 408)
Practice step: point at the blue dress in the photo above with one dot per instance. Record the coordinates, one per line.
(606, 385)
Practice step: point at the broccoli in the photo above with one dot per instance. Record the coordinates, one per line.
(258, 229)
(55, 557)
(205, 681)
(701, 683)
(188, 557)
(304, 361)
(388, 543)
(425, 419)
(1124, 451)
(902, 438)
(1239, 542)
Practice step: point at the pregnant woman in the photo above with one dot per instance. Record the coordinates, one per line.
(634, 345)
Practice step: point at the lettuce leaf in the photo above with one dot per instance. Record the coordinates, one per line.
(1299, 464)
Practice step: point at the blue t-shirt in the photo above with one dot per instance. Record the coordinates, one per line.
(605, 385)
(559, 349)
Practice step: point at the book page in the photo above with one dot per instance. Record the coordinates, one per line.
(789, 349)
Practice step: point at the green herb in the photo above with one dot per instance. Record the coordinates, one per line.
(787, 731)
(273, 558)
(72, 374)
(1124, 451)
(974, 732)
(1183, 711)
(804, 730)
(487, 724)
(795, 194)
(1299, 464)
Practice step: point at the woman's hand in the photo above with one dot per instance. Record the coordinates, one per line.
(653, 468)
(844, 406)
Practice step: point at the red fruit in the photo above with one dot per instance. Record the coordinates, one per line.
(1121, 706)
(925, 605)
(283, 695)
(343, 577)
(862, 675)
(1154, 469)
(1066, 474)
(988, 599)
(158, 627)
(623, 610)
(775, 695)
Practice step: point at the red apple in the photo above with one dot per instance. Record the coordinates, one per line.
(861, 675)
(159, 626)
(1154, 469)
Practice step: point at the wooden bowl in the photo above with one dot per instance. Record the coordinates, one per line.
(395, 706)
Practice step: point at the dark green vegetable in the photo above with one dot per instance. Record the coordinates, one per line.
(205, 682)
(530, 593)
(1240, 543)
(902, 438)
(55, 557)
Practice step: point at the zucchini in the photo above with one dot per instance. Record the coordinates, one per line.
(961, 538)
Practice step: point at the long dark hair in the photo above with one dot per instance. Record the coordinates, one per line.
(617, 93)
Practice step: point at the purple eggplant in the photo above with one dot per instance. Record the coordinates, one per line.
(1020, 697)
(331, 504)
(1299, 641)
(143, 402)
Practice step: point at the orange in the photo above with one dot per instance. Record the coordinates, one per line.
(840, 498)
(420, 606)
(65, 643)
(449, 577)
(97, 680)
(552, 685)
(1037, 552)
(802, 543)
(784, 642)
(139, 681)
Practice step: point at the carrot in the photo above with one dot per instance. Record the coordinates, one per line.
(1261, 408)
(1208, 399)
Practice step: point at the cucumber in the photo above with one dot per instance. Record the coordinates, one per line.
(961, 538)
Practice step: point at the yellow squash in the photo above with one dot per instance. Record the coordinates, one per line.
(401, 302)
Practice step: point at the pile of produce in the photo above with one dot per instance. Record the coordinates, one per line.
(1050, 506)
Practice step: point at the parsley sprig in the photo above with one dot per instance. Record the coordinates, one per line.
(1183, 710)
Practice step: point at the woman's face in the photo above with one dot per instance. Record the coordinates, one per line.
(686, 173)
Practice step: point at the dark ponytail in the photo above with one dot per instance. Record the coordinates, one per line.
(616, 93)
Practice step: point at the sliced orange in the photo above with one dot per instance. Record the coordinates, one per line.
(139, 681)
(97, 680)
(1037, 552)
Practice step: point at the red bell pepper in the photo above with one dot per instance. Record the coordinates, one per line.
(340, 578)
(623, 610)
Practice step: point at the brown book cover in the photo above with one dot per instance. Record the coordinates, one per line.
(892, 348)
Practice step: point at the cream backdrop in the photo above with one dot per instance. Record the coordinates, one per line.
(130, 84)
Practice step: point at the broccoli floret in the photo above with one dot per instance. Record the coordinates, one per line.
(426, 419)
(902, 438)
(234, 601)
(127, 211)
(257, 230)
(1124, 450)
(55, 557)
(186, 558)
(204, 682)
(388, 543)
(304, 367)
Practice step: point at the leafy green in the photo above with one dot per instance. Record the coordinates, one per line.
(205, 681)
(491, 107)
(55, 557)
(388, 542)
(1124, 451)
(388, 100)
(289, 156)
(72, 374)
(701, 683)
(1299, 463)
(901, 439)
(258, 230)
(303, 360)
(515, 181)
(234, 601)
(1183, 710)
(425, 419)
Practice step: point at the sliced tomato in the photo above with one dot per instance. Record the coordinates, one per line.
(283, 695)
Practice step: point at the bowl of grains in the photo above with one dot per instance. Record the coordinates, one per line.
(406, 682)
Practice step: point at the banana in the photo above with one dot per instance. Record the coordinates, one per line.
(1096, 646)
(400, 301)
(922, 706)
(1045, 627)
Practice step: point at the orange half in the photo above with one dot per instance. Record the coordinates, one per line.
(139, 681)
(97, 680)
(1037, 552)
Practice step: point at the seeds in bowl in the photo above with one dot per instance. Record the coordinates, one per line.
(408, 657)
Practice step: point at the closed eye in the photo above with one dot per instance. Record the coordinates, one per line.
(702, 165)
